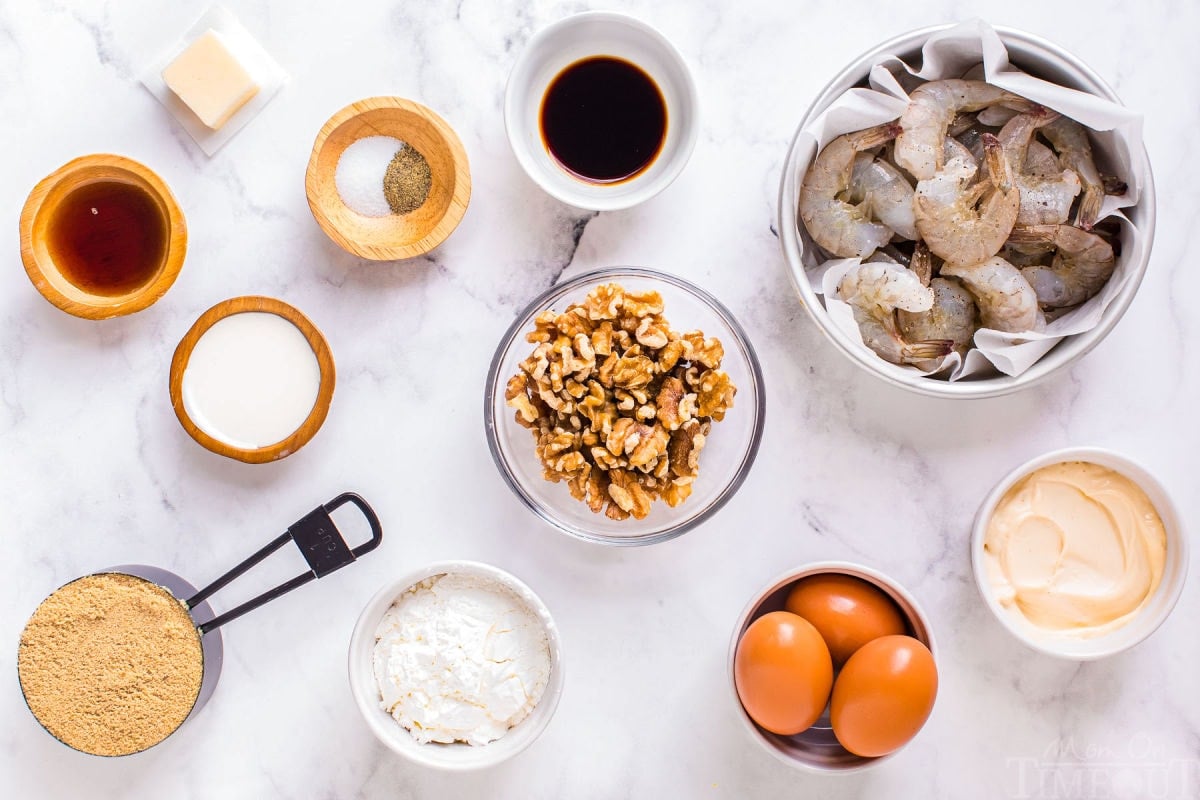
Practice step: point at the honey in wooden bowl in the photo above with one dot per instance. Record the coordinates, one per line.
(108, 238)
(102, 236)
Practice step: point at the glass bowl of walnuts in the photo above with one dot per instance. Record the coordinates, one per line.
(624, 406)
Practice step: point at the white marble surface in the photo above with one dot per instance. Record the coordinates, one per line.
(96, 471)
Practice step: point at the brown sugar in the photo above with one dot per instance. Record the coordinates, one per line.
(110, 664)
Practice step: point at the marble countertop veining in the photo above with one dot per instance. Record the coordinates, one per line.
(96, 471)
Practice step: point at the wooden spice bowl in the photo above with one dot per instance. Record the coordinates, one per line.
(320, 409)
(39, 213)
(394, 236)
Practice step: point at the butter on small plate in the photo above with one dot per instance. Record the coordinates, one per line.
(210, 80)
(215, 79)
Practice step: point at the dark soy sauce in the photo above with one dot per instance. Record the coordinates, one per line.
(108, 238)
(604, 119)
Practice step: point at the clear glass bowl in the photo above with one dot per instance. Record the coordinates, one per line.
(731, 447)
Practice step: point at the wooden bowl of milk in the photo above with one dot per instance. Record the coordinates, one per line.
(252, 379)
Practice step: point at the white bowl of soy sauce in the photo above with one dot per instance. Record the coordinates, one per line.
(601, 111)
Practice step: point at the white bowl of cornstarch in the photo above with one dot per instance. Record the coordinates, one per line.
(456, 665)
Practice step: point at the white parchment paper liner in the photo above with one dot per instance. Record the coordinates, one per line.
(1116, 141)
(265, 71)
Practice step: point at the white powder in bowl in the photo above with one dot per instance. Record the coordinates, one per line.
(360, 171)
(460, 658)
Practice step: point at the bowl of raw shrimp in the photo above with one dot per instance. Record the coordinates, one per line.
(964, 243)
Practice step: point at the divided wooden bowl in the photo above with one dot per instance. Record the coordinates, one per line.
(38, 215)
(395, 236)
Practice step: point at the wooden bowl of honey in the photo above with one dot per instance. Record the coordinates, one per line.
(389, 236)
(102, 236)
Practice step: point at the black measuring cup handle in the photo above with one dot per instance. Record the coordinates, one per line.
(320, 543)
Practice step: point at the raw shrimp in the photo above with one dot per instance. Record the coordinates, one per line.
(886, 193)
(843, 229)
(1083, 264)
(996, 116)
(964, 223)
(1070, 139)
(953, 316)
(1045, 199)
(960, 125)
(1049, 188)
(931, 108)
(1040, 160)
(971, 141)
(1019, 131)
(1006, 300)
(874, 291)
(1026, 255)
(952, 148)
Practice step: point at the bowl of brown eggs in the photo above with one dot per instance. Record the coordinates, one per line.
(832, 666)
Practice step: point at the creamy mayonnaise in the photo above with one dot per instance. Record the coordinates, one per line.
(1075, 549)
(251, 380)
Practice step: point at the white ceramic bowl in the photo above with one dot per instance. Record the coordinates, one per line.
(1149, 618)
(448, 757)
(1037, 57)
(817, 749)
(729, 451)
(599, 33)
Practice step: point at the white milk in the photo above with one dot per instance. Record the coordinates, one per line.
(251, 381)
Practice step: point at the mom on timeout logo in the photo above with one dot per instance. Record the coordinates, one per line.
(1144, 769)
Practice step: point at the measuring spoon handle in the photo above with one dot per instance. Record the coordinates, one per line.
(319, 541)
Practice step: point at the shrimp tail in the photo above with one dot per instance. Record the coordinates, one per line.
(921, 262)
(999, 170)
(874, 137)
(1033, 234)
(1021, 105)
(929, 349)
(1089, 206)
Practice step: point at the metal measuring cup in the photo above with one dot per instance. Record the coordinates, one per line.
(319, 541)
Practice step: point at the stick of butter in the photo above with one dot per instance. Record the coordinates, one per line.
(208, 78)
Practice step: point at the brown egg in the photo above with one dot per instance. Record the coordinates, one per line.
(883, 695)
(783, 673)
(848, 612)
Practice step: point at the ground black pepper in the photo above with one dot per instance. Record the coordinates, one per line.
(407, 180)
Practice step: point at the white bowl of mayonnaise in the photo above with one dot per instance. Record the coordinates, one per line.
(1080, 553)
(456, 666)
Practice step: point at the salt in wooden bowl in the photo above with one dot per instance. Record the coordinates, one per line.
(395, 236)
